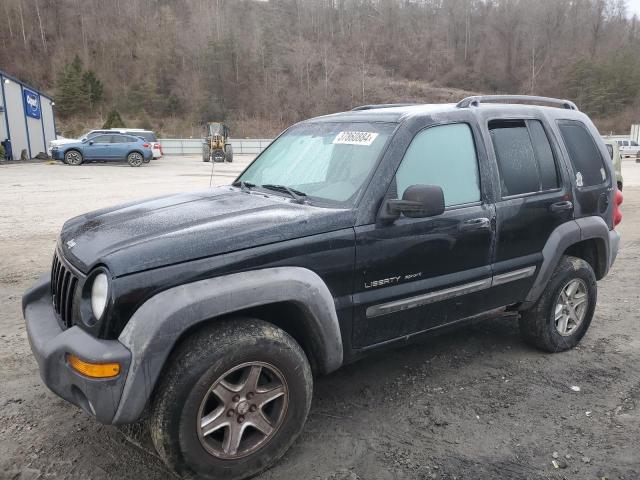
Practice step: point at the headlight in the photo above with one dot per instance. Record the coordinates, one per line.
(99, 294)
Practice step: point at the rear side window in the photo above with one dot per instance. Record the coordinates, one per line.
(584, 154)
(525, 158)
(445, 156)
(610, 150)
(118, 139)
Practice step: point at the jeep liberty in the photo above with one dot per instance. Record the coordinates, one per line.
(207, 314)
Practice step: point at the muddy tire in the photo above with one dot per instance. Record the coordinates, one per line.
(222, 384)
(73, 157)
(563, 313)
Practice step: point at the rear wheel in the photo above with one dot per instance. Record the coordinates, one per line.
(563, 313)
(73, 157)
(206, 153)
(228, 154)
(135, 159)
(233, 400)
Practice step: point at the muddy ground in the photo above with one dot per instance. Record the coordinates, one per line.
(475, 403)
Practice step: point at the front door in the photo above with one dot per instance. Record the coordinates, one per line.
(420, 273)
(97, 148)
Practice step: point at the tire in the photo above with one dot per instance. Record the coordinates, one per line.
(135, 159)
(73, 157)
(183, 397)
(539, 326)
(228, 154)
(206, 153)
(620, 186)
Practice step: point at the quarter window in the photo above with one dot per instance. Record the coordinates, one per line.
(525, 158)
(445, 156)
(584, 154)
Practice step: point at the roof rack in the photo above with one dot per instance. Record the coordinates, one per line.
(477, 99)
(383, 105)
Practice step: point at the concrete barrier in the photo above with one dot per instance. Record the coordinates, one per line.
(193, 146)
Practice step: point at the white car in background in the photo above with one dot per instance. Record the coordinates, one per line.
(148, 135)
(629, 148)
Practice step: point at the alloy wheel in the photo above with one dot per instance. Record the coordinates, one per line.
(571, 306)
(73, 158)
(242, 410)
(135, 159)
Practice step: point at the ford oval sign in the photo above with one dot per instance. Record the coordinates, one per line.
(31, 104)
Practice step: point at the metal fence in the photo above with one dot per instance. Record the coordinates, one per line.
(193, 146)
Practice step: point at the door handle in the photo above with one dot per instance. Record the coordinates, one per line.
(481, 223)
(561, 206)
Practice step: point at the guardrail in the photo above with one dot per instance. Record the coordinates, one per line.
(193, 146)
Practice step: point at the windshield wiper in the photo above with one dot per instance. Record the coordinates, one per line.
(297, 195)
(244, 186)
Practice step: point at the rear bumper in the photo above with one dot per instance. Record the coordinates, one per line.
(51, 345)
(614, 245)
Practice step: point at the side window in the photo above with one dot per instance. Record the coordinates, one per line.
(118, 139)
(584, 154)
(445, 156)
(525, 158)
(610, 150)
(101, 139)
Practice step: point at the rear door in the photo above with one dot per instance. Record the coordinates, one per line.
(533, 200)
(121, 145)
(419, 273)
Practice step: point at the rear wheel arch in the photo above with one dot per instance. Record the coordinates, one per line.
(594, 252)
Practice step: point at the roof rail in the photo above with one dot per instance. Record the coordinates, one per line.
(383, 105)
(477, 99)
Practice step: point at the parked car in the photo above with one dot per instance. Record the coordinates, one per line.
(205, 314)
(60, 140)
(112, 147)
(147, 135)
(629, 148)
(614, 152)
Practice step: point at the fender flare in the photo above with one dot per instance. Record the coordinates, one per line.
(565, 235)
(154, 328)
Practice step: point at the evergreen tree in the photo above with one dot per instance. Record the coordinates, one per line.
(93, 87)
(114, 120)
(72, 97)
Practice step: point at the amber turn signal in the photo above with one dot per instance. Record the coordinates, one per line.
(94, 370)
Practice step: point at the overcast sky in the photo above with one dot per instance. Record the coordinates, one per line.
(633, 6)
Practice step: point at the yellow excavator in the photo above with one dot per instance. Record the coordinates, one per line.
(216, 146)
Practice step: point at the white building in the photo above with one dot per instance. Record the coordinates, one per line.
(26, 117)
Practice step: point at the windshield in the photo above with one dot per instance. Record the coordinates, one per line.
(325, 161)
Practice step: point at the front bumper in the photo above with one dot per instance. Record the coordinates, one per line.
(57, 154)
(51, 345)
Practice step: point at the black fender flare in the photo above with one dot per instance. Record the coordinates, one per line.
(565, 235)
(154, 328)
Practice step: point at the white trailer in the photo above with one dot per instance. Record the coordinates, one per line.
(27, 117)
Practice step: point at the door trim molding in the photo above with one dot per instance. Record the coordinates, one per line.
(448, 293)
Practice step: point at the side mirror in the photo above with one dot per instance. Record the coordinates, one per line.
(418, 201)
(91, 142)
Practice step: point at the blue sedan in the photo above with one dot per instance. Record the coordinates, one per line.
(113, 147)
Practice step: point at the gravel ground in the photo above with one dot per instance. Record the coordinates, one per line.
(475, 403)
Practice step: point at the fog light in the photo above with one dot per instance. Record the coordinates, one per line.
(94, 370)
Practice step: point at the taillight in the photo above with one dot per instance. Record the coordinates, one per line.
(617, 213)
(145, 145)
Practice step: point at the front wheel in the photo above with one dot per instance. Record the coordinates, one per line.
(234, 398)
(73, 157)
(563, 313)
(135, 159)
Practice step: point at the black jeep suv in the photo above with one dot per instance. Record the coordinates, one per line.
(205, 314)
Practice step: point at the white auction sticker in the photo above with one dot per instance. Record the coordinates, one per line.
(354, 138)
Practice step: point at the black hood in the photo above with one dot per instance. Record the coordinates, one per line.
(172, 229)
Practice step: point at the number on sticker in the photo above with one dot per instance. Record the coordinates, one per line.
(355, 138)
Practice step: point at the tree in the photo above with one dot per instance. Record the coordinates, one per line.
(114, 120)
(72, 97)
(93, 88)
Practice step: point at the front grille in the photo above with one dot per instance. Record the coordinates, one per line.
(63, 287)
